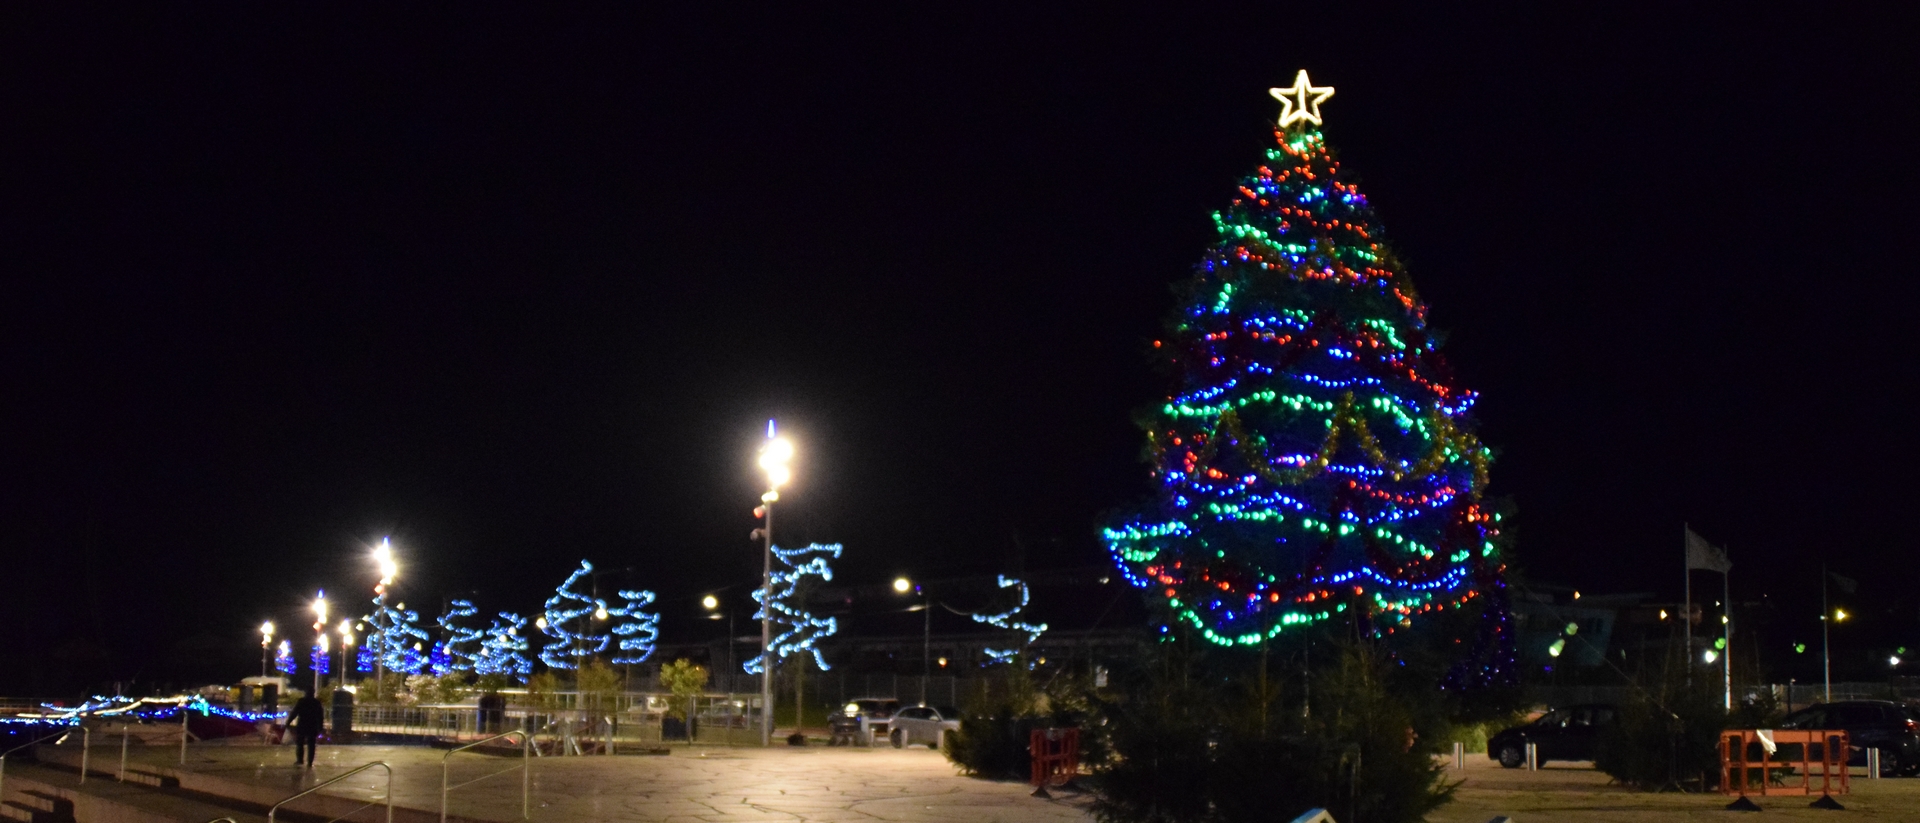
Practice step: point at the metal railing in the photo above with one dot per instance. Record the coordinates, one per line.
(356, 770)
(35, 742)
(525, 767)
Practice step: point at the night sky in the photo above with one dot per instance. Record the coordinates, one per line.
(519, 288)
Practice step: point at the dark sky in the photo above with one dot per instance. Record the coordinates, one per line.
(523, 287)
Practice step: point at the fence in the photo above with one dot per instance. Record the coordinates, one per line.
(635, 719)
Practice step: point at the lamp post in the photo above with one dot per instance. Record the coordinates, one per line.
(389, 569)
(773, 459)
(346, 649)
(902, 585)
(266, 645)
(710, 603)
(320, 632)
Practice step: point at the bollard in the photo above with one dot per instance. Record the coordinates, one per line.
(1459, 755)
(1533, 757)
(1873, 764)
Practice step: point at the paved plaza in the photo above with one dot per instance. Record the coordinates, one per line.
(689, 784)
(885, 784)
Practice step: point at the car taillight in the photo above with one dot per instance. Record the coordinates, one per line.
(1913, 728)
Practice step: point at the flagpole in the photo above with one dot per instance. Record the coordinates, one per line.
(1826, 658)
(1726, 630)
(1686, 575)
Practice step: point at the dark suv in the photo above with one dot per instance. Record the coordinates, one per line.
(1869, 724)
(1568, 733)
(861, 721)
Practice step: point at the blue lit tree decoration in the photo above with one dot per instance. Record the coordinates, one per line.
(800, 630)
(565, 622)
(504, 649)
(464, 635)
(320, 659)
(283, 659)
(403, 642)
(363, 657)
(1006, 620)
(637, 628)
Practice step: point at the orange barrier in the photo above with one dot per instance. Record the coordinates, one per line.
(1056, 756)
(1741, 752)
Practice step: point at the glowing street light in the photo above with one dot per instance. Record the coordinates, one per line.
(709, 602)
(266, 645)
(774, 456)
(902, 585)
(346, 649)
(320, 629)
(389, 569)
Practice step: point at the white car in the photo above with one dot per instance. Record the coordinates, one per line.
(924, 724)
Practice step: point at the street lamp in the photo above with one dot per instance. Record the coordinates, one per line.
(774, 455)
(389, 569)
(320, 630)
(711, 603)
(902, 585)
(346, 649)
(266, 645)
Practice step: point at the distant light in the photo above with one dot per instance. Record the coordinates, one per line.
(1663, 614)
(1576, 595)
(1709, 655)
(710, 602)
(1839, 615)
(383, 555)
(1894, 660)
(1573, 629)
(266, 629)
(901, 584)
(943, 662)
(601, 612)
(1558, 646)
(540, 622)
(1799, 648)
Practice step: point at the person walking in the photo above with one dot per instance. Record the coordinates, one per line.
(304, 721)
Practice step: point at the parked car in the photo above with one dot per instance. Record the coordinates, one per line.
(1568, 733)
(1869, 724)
(924, 724)
(861, 721)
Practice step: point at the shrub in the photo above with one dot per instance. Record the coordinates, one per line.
(1661, 739)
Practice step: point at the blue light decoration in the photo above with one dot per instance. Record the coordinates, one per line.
(1315, 455)
(638, 629)
(1005, 620)
(566, 622)
(439, 661)
(800, 630)
(464, 636)
(363, 659)
(504, 649)
(283, 659)
(320, 659)
(403, 643)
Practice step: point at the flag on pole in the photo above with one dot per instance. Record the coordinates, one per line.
(1704, 555)
(1845, 584)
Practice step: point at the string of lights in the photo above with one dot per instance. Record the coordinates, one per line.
(566, 612)
(638, 629)
(1005, 620)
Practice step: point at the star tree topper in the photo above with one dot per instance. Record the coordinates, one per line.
(1302, 101)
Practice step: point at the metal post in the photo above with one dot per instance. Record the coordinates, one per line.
(766, 630)
(1459, 755)
(124, 726)
(86, 748)
(926, 645)
(183, 733)
(1826, 658)
(1533, 757)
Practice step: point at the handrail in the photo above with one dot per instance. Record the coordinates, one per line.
(355, 770)
(34, 742)
(526, 771)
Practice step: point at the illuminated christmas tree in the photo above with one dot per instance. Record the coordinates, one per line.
(799, 629)
(504, 650)
(1315, 455)
(464, 636)
(567, 622)
(638, 629)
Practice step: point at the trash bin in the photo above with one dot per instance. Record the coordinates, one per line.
(342, 714)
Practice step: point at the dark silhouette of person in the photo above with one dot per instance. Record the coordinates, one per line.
(304, 721)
